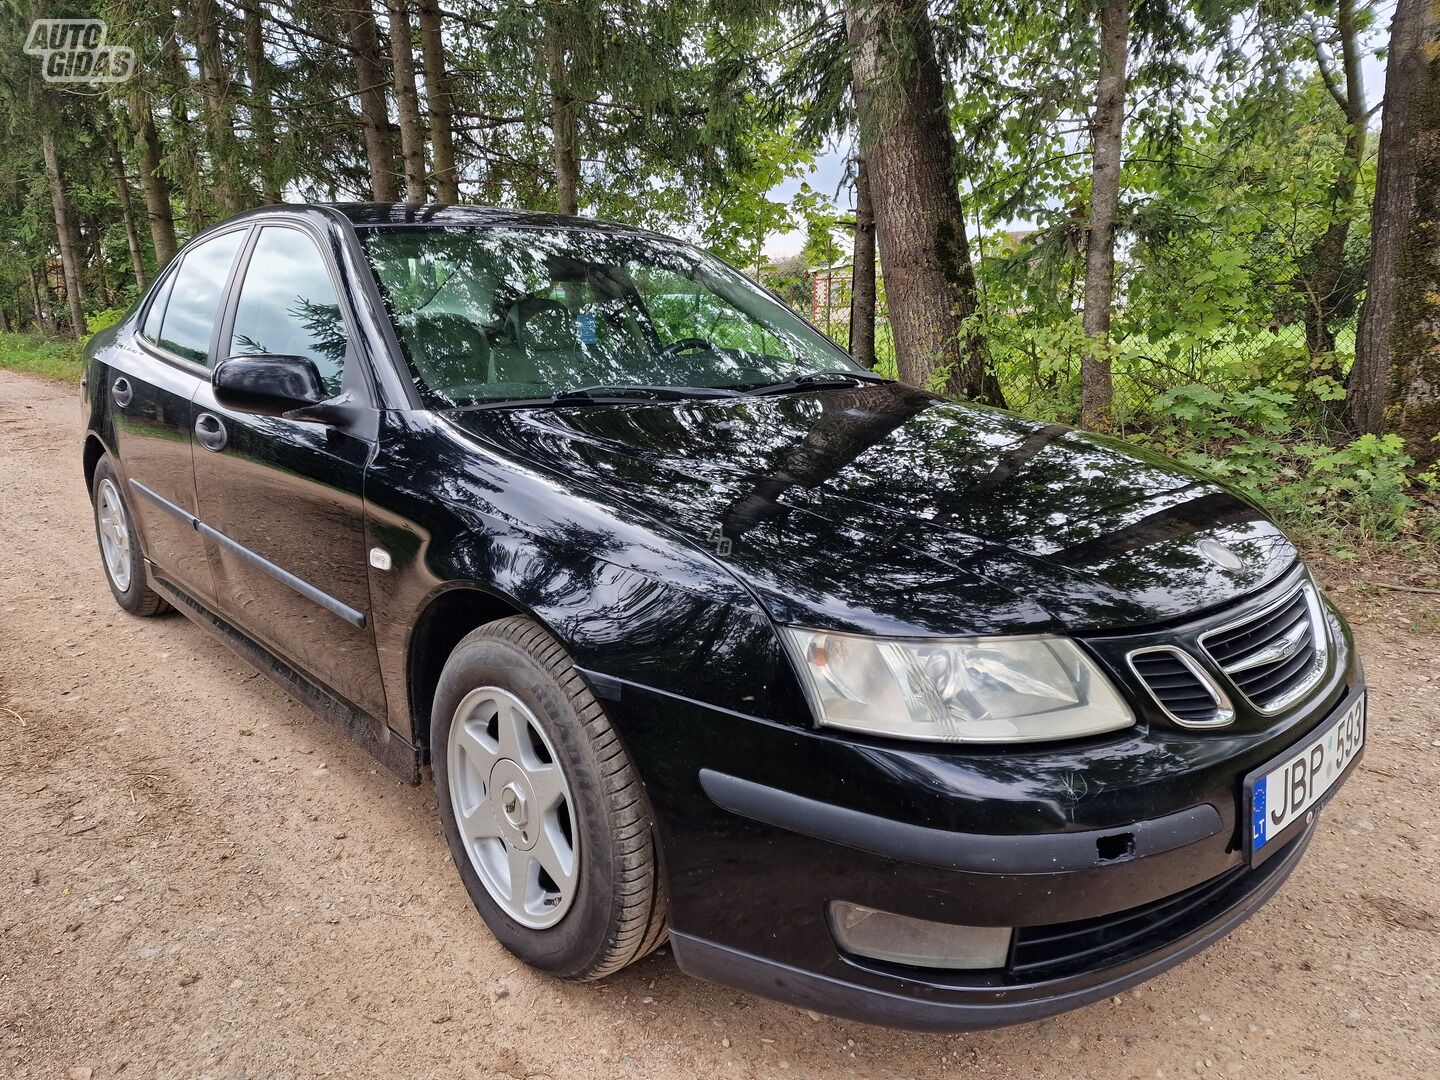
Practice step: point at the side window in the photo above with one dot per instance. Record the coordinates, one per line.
(156, 311)
(288, 304)
(195, 297)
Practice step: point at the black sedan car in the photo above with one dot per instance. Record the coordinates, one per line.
(893, 707)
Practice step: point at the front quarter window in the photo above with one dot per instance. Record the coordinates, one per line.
(496, 314)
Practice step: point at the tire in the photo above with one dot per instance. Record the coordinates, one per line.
(120, 552)
(611, 911)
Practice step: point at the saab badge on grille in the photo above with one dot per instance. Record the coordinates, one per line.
(1220, 555)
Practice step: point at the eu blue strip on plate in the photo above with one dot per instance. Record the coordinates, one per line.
(1258, 798)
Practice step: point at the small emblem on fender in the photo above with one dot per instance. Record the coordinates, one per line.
(379, 558)
(1220, 555)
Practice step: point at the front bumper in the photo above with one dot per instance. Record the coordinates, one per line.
(1114, 858)
(942, 1005)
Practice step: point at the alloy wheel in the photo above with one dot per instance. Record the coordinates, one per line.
(114, 529)
(513, 807)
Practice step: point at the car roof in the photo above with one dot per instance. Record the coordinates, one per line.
(379, 215)
(362, 214)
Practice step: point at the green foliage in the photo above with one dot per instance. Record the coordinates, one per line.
(694, 119)
(1357, 490)
(104, 319)
(37, 354)
(738, 213)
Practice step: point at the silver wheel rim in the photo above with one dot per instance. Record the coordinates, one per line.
(114, 530)
(513, 807)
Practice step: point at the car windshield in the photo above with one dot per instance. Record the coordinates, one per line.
(504, 314)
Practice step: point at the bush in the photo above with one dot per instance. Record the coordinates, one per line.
(104, 319)
(1358, 489)
(40, 354)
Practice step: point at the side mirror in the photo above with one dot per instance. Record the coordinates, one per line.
(267, 384)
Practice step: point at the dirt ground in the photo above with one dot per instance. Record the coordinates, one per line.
(199, 878)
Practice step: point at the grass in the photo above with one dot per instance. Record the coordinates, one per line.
(39, 354)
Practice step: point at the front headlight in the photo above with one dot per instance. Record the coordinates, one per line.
(980, 690)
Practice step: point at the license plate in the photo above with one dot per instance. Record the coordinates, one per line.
(1281, 792)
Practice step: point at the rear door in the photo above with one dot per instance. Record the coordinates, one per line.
(151, 385)
(285, 496)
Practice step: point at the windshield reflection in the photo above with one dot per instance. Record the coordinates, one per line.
(504, 314)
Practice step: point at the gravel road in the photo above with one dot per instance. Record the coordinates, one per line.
(199, 878)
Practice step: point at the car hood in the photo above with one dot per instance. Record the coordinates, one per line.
(887, 510)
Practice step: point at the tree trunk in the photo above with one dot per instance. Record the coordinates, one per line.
(77, 245)
(127, 209)
(437, 103)
(1389, 219)
(906, 138)
(68, 263)
(186, 162)
(829, 299)
(407, 100)
(370, 87)
(562, 124)
(262, 115)
(219, 119)
(156, 187)
(42, 314)
(862, 271)
(1413, 409)
(1329, 253)
(1106, 131)
(102, 274)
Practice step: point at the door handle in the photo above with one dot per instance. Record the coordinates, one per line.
(211, 432)
(121, 392)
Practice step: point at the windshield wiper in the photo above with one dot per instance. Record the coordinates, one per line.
(627, 390)
(604, 394)
(813, 379)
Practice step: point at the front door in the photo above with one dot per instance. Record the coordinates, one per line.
(284, 497)
(151, 384)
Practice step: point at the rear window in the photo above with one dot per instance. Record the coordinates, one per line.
(194, 299)
(156, 312)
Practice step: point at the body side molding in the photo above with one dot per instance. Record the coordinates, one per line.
(279, 573)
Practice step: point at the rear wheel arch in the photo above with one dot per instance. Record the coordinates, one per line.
(95, 449)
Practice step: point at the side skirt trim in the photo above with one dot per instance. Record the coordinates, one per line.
(392, 749)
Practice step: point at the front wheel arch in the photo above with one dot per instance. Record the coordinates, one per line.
(441, 625)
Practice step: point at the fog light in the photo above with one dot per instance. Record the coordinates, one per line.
(897, 939)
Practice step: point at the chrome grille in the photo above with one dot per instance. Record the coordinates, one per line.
(1276, 654)
(1181, 687)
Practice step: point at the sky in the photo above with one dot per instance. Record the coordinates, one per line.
(827, 176)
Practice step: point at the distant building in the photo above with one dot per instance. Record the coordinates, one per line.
(1014, 238)
(830, 294)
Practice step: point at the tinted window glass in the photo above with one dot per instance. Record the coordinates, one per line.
(288, 305)
(195, 296)
(156, 310)
(496, 314)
